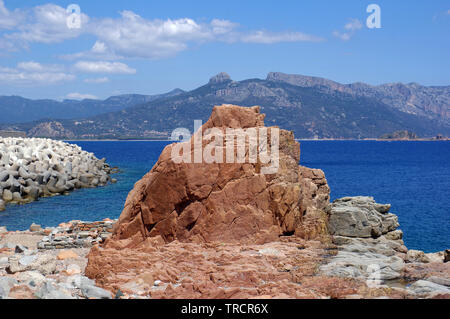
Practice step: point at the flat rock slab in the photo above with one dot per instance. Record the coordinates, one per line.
(28, 240)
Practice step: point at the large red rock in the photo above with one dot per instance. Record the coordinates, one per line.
(201, 203)
(226, 202)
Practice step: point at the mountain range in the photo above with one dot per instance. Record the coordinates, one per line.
(16, 109)
(312, 107)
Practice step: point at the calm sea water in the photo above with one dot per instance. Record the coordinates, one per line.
(413, 176)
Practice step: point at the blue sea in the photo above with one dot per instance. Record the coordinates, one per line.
(412, 176)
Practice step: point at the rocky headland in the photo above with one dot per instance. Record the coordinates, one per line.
(32, 167)
(225, 230)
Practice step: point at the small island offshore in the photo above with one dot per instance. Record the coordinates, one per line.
(410, 136)
(217, 230)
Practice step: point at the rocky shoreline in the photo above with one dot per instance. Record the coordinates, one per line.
(225, 230)
(33, 167)
(51, 263)
(38, 263)
(370, 248)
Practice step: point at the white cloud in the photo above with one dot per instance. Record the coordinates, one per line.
(46, 24)
(133, 36)
(9, 19)
(28, 73)
(99, 51)
(128, 36)
(38, 67)
(223, 26)
(79, 96)
(351, 27)
(97, 80)
(343, 36)
(104, 67)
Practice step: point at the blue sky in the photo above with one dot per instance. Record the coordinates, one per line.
(151, 47)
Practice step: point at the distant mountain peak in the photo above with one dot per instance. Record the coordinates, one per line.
(177, 91)
(220, 78)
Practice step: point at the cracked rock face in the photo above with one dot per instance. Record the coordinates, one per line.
(226, 202)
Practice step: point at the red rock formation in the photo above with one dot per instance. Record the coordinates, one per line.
(226, 202)
(202, 203)
(282, 269)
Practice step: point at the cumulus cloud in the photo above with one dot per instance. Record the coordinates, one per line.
(79, 96)
(97, 80)
(45, 24)
(28, 73)
(350, 29)
(133, 36)
(104, 67)
(129, 35)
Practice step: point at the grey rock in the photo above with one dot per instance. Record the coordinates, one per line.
(83, 234)
(3, 230)
(394, 235)
(88, 288)
(45, 264)
(96, 292)
(362, 265)
(4, 262)
(360, 217)
(424, 288)
(31, 276)
(437, 257)
(369, 247)
(6, 283)
(439, 280)
(416, 256)
(26, 260)
(51, 291)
